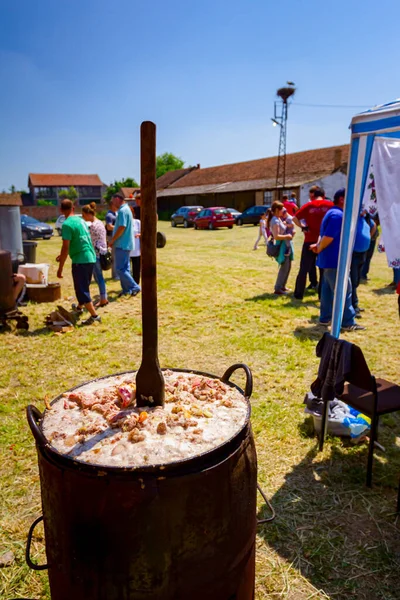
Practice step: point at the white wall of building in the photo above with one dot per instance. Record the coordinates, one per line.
(330, 183)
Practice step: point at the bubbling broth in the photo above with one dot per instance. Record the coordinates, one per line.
(99, 422)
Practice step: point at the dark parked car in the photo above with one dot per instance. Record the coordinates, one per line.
(212, 218)
(251, 215)
(185, 215)
(33, 229)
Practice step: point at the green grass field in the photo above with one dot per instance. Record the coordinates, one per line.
(332, 537)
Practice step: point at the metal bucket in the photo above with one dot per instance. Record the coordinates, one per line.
(185, 531)
(10, 230)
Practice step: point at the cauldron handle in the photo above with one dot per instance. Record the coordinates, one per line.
(249, 377)
(28, 559)
(34, 415)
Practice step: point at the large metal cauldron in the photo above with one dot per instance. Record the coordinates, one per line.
(183, 532)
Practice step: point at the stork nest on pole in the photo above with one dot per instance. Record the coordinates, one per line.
(285, 93)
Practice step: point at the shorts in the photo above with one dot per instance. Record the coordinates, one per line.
(82, 276)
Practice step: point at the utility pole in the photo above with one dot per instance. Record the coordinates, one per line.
(280, 118)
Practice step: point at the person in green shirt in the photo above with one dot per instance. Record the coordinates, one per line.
(77, 244)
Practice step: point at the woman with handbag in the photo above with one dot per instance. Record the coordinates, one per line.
(99, 241)
(282, 243)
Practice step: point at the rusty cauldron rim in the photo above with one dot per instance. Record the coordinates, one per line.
(179, 467)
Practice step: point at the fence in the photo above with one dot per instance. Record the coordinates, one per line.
(50, 213)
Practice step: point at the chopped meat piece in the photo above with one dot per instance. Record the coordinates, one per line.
(57, 435)
(130, 422)
(162, 428)
(90, 429)
(174, 420)
(75, 397)
(118, 449)
(135, 436)
(83, 399)
(126, 396)
(113, 419)
(110, 410)
(107, 395)
(198, 412)
(88, 400)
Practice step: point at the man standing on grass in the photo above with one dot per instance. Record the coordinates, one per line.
(136, 208)
(327, 249)
(364, 231)
(309, 218)
(290, 205)
(78, 245)
(122, 242)
(111, 217)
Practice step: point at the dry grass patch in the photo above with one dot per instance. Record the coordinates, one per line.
(332, 537)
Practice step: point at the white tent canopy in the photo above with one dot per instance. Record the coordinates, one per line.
(375, 132)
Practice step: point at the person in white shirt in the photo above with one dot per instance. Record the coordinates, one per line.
(262, 231)
(135, 253)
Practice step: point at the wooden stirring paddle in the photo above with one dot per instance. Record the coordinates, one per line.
(149, 378)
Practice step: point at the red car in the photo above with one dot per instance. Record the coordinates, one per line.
(212, 218)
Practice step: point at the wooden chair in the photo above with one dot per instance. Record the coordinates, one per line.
(372, 397)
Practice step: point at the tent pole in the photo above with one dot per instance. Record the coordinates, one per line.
(346, 243)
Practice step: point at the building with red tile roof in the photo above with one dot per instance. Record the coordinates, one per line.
(240, 185)
(48, 186)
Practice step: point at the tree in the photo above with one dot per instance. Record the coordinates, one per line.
(114, 187)
(13, 190)
(168, 162)
(70, 193)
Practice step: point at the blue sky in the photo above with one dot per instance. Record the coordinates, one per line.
(77, 77)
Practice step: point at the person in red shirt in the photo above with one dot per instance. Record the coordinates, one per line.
(290, 205)
(309, 218)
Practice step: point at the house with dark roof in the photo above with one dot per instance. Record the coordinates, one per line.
(162, 182)
(129, 192)
(172, 177)
(240, 185)
(48, 187)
